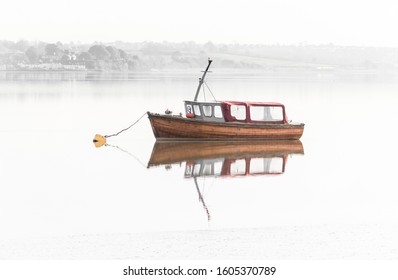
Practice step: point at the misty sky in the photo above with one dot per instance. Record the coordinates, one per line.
(341, 22)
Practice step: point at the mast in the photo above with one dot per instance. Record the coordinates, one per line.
(201, 80)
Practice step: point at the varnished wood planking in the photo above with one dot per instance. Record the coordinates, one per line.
(178, 127)
(179, 151)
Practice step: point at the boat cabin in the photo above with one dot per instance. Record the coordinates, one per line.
(232, 167)
(236, 111)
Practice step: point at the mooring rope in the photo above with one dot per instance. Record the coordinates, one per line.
(116, 134)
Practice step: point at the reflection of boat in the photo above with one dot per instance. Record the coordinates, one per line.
(225, 120)
(226, 158)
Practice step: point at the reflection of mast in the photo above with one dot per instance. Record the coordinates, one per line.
(201, 199)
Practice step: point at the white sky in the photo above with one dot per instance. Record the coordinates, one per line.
(342, 22)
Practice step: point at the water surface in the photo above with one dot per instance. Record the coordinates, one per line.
(55, 183)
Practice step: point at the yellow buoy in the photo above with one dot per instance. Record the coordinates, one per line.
(99, 140)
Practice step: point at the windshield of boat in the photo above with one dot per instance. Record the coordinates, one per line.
(255, 112)
(266, 113)
(239, 112)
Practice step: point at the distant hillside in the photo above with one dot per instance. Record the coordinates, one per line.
(125, 56)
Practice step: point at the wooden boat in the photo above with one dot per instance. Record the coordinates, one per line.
(226, 158)
(226, 120)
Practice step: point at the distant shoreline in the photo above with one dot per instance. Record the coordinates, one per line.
(285, 70)
(150, 56)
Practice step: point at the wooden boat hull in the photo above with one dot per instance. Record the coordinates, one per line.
(166, 127)
(176, 152)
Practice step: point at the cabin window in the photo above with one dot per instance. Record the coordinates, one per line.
(239, 112)
(196, 110)
(217, 167)
(196, 170)
(188, 170)
(217, 112)
(189, 109)
(207, 110)
(266, 113)
(238, 167)
(266, 165)
(207, 169)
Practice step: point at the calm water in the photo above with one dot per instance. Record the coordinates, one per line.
(54, 182)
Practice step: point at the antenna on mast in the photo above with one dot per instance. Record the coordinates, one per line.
(201, 80)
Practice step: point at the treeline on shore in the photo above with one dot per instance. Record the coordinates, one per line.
(125, 56)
